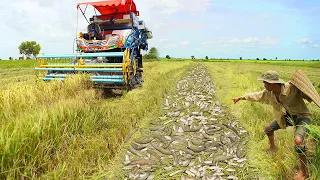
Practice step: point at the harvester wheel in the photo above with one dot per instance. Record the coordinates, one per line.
(107, 91)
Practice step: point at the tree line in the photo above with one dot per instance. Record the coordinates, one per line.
(30, 49)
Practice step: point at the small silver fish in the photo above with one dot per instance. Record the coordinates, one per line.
(232, 177)
(176, 172)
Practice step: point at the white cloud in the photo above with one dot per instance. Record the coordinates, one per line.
(52, 24)
(270, 41)
(306, 42)
(184, 43)
(249, 42)
(207, 43)
(171, 46)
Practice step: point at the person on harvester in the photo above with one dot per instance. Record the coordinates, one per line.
(289, 109)
(94, 31)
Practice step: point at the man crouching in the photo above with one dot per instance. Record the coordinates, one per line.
(289, 109)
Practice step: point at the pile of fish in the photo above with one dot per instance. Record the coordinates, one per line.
(194, 138)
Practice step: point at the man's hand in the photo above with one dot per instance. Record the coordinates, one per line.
(235, 100)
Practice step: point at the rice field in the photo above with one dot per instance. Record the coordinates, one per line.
(71, 131)
(235, 79)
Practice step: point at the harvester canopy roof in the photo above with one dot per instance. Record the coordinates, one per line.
(113, 6)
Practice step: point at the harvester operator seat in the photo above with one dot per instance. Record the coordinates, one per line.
(94, 31)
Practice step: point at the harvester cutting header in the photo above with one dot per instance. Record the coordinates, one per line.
(110, 49)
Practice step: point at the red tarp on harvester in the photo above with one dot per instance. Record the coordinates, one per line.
(113, 6)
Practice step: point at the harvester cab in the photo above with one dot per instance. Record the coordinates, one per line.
(110, 49)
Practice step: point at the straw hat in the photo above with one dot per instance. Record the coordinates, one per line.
(301, 81)
(271, 77)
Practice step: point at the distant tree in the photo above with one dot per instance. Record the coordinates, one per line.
(21, 58)
(153, 54)
(276, 58)
(167, 56)
(192, 57)
(240, 58)
(207, 57)
(264, 59)
(29, 49)
(10, 58)
(257, 58)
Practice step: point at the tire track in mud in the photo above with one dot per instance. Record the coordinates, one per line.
(194, 139)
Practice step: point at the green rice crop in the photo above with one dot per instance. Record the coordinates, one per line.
(233, 80)
(67, 130)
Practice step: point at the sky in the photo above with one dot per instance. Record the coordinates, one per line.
(286, 29)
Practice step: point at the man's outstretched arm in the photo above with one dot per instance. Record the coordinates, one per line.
(237, 99)
(260, 96)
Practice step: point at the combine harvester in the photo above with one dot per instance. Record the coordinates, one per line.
(110, 50)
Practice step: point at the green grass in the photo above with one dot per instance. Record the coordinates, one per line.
(312, 64)
(292, 63)
(233, 80)
(67, 130)
(16, 64)
(16, 73)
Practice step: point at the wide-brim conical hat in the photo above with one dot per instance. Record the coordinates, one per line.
(302, 82)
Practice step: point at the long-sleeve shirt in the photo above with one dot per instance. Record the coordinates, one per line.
(290, 101)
